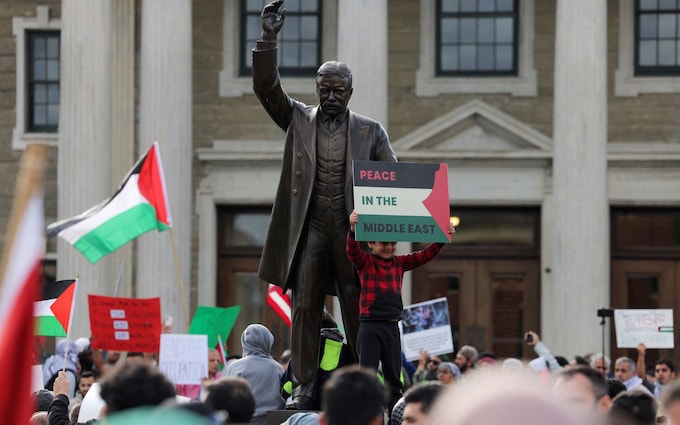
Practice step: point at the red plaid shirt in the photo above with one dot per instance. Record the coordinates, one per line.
(380, 297)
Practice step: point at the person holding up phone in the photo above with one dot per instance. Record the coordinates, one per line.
(533, 340)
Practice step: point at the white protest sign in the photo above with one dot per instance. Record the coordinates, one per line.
(426, 326)
(92, 404)
(184, 358)
(37, 378)
(653, 327)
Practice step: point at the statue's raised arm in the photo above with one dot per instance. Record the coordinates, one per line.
(272, 20)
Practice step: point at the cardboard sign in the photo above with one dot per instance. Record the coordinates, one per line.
(401, 201)
(426, 326)
(652, 327)
(214, 321)
(184, 358)
(125, 324)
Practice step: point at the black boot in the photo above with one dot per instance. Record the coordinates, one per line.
(304, 398)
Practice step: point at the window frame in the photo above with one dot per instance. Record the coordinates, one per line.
(20, 28)
(524, 84)
(626, 83)
(233, 85)
(657, 70)
(477, 14)
(31, 126)
(309, 71)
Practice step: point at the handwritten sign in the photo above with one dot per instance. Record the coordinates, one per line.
(401, 201)
(214, 321)
(426, 326)
(184, 358)
(125, 324)
(652, 327)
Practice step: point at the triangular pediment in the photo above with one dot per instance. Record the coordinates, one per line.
(475, 128)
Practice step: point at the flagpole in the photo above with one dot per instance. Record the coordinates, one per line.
(120, 278)
(179, 277)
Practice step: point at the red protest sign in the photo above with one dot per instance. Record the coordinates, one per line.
(125, 324)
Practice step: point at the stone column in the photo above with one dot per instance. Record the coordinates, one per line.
(84, 152)
(165, 115)
(123, 115)
(580, 257)
(362, 44)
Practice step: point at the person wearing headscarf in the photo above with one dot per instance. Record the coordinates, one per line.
(448, 373)
(260, 370)
(66, 349)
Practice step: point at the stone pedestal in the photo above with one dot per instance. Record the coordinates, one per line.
(277, 417)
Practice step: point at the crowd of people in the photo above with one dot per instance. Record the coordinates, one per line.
(466, 387)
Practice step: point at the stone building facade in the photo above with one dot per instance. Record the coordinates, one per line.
(564, 173)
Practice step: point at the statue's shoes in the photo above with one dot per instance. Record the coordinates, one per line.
(301, 403)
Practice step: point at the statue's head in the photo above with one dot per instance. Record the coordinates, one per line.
(334, 87)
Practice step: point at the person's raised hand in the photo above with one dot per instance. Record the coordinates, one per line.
(423, 357)
(272, 20)
(61, 384)
(353, 220)
(535, 339)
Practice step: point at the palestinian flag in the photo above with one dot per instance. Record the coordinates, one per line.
(54, 311)
(140, 205)
(401, 201)
(20, 286)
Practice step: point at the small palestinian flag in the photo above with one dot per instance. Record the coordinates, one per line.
(139, 206)
(54, 312)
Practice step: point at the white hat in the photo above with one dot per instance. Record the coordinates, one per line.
(82, 344)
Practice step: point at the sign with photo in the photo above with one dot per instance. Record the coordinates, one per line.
(426, 326)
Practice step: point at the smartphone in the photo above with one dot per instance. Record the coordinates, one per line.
(529, 337)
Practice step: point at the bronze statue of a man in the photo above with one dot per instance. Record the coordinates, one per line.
(305, 247)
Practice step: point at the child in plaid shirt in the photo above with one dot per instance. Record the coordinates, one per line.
(380, 303)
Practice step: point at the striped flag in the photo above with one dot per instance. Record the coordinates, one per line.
(280, 302)
(20, 277)
(54, 311)
(223, 352)
(139, 206)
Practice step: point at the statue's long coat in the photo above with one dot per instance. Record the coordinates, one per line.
(366, 140)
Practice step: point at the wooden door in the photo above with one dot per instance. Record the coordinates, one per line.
(646, 284)
(491, 302)
(238, 284)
